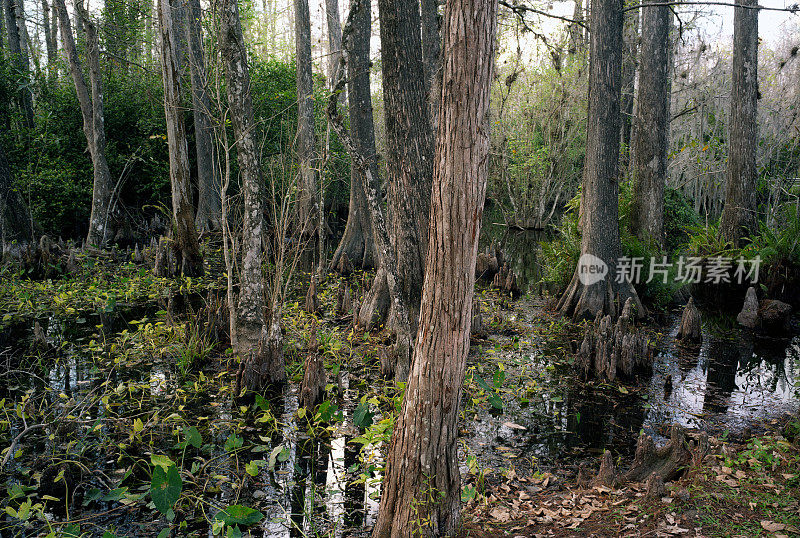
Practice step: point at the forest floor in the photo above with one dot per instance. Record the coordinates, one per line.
(118, 419)
(749, 489)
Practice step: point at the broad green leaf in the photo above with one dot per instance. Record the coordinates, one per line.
(161, 461)
(193, 437)
(252, 468)
(165, 488)
(362, 417)
(238, 514)
(233, 442)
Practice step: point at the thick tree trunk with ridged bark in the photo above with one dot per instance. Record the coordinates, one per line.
(431, 54)
(306, 137)
(739, 213)
(630, 40)
(93, 117)
(600, 236)
(186, 245)
(422, 488)
(209, 204)
(16, 225)
(651, 137)
(409, 161)
(259, 339)
(358, 242)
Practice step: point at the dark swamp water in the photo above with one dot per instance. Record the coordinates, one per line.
(327, 486)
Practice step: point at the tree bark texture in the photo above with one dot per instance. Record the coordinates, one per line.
(651, 140)
(306, 137)
(93, 118)
(259, 336)
(630, 40)
(577, 43)
(358, 242)
(739, 213)
(600, 202)
(3, 38)
(422, 491)
(409, 160)
(431, 52)
(385, 254)
(187, 248)
(20, 61)
(209, 204)
(24, 36)
(16, 225)
(49, 40)
(334, 39)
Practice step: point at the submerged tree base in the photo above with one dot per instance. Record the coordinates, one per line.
(264, 365)
(582, 302)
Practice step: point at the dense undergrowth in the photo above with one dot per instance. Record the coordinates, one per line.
(776, 244)
(120, 403)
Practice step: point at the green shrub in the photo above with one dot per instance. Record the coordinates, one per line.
(562, 253)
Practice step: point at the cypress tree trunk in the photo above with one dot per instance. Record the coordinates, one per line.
(2, 30)
(49, 40)
(93, 119)
(739, 213)
(409, 161)
(629, 65)
(334, 39)
(19, 59)
(431, 45)
(651, 140)
(422, 484)
(259, 340)
(16, 224)
(190, 262)
(24, 36)
(209, 203)
(358, 242)
(576, 39)
(600, 202)
(306, 138)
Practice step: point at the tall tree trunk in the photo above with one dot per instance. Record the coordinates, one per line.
(576, 33)
(93, 119)
(739, 213)
(209, 203)
(20, 60)
(49, 40)
(306, 137)
(422, 484)
(334, 40)
(431, 61)
(651, 140)
(24, 37)
(187, 248)
(259, 340)
(16, 224)
(409, 161)
(358, 242)
(629, 65)
(3, 38)
(600, 204)
(54, 39)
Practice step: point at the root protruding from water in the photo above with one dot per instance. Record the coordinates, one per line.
(313, 386)
(610, 351)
